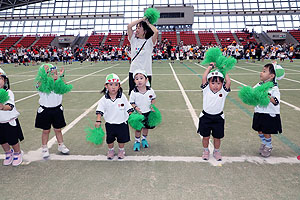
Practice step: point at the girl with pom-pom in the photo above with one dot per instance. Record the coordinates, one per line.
(51, 87)
(141, 98)
(115, 109)
(266, 119)
(10, 129)
(211, 120)
(142, 43)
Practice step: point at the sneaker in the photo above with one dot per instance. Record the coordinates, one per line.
(145, 143)
(8, 158)
(137, 146)
(266, 152)
(205, 155)
(121, 154)
(110, 154)
(217, 155)
(18, 159)
(63, 149)
(45, 152)
(261, 148)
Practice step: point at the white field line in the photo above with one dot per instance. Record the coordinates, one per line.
(284, 102)
(95, 91)
(189, 105)
(68, 82)
(32, 156)
(259, 72)
(34, 77)
(286, 68)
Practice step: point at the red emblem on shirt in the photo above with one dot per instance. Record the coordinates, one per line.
(220, 95)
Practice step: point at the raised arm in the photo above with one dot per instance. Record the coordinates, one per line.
(132, 24)
(155, 31)
(228, 81)
(204, 76)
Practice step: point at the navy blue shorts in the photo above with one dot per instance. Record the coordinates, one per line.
(117, 131)
(267, 124)
(11, 134)
(46, 117)
(211, 125)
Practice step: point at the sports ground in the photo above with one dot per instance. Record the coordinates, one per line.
(172, 168)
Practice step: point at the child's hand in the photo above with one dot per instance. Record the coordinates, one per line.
(97, 124)
(212, 65)
(138, 110)
(46, 67)
(61, 71)
(1, 106)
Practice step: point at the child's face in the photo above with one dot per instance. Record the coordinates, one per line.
(140, 80)
(215, 86)
(112, 88)
(2, 81)
(265, 75)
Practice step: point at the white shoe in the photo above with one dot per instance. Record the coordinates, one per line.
(45, 152)
(63, 149)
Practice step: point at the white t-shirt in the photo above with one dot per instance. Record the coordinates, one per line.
(271, 108)
(143, 101)
(143, 60)
(50, 100)
(213, 103)
(7, 116)
(114, 111)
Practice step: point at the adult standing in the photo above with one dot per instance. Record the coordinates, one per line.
(141, 42)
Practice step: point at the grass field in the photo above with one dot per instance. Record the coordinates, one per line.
(172, 167)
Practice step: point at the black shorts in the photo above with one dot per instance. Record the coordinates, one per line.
(11, 134)
(211, 125)
(180, 58)
(145, 121)
(267, 124)
(119, 131)
(172, 58)
(46, 117)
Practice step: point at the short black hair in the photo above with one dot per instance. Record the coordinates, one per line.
(271, 69)
(6, 83)
(216, 79)
(147, 29)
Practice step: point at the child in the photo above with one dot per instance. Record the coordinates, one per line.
(50, 113)
(266, 120)
(211, 119)
(10, 129)
(141, 98)
(115, 109)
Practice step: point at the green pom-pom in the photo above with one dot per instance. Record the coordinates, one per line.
(45, 82)
(256, 96)
(224, 64)
(154, 118)
(211, 55)
(60, 87)
(3, 96)
(135, 120)
(152, 15)
(95, 135)
(229, 64)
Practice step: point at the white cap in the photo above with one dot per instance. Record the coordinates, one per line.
(139, 71)
(279, 71)
(215, 73)
(112, 78)
(2, 73)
